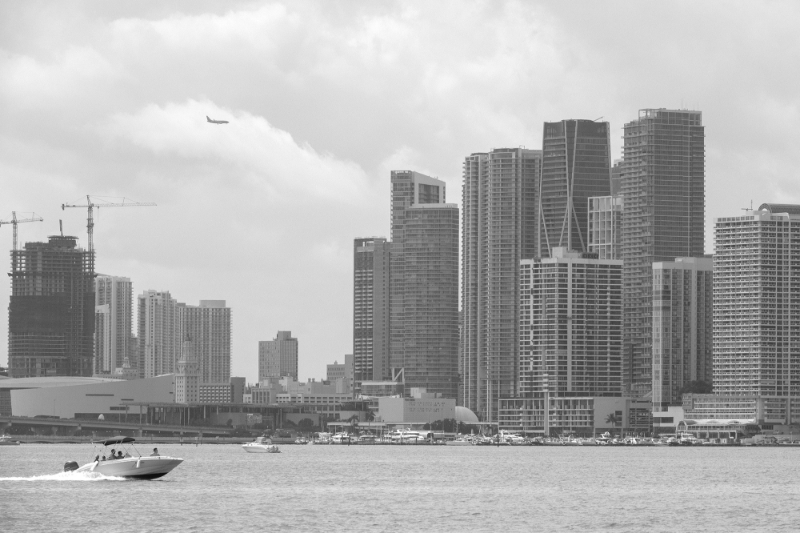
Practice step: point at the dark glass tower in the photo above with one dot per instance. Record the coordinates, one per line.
(663, 186)
(576, 164)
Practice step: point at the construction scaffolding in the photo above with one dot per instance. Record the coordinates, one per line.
(51, 313)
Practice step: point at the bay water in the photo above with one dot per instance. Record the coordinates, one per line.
(410, 488)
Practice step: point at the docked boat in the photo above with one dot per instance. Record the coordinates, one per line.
(460, 441)
(5, 440)
(261, 445)
(343, 438)
(130, 465)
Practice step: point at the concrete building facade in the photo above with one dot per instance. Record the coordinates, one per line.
(576, 164)
(570, 326)
(114, 304)
(371, 309)
(499, 202)
(605, 226)
(51, 313)
(208, 327)
(663, 186)
(682, 327)
(756, 302)
(159, 333)
(278, 358)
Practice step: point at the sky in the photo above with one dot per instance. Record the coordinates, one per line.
(324, 99)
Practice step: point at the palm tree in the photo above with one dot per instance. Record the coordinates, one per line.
(612, 419)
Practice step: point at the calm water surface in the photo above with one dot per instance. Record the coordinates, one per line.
(411, 488)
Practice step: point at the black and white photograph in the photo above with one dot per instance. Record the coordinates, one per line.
(477, 265)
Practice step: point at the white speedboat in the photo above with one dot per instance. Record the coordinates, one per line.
(131, 464)
(5, 440)
(261, 445)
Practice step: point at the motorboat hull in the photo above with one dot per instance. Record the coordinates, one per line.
(151, 467)
(260, 448)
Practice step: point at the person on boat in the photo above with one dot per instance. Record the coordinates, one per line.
(155, 453)
(97, 459)
(104, 458)
(113, 454)
(119, 455)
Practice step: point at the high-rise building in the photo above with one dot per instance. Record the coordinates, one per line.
(114, 305)
(159, 334)
(423, 288)
(278, 358)
(682, 327)
(570, 326)
(51, 313)
(499, 229)
(371, 309)
(605, 226)
(756, 302)
(663, 186)
(208, 327)
(576, 164)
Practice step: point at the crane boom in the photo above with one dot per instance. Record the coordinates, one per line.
(90, 205)
(14, 221)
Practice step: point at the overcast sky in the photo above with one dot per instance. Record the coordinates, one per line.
(324, 99)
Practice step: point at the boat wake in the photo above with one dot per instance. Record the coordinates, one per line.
(67, 476)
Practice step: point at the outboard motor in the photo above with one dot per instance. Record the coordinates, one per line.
(70, 466)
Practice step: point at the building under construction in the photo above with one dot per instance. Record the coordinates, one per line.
(51, 314)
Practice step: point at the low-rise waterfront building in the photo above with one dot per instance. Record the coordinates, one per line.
(582, 416)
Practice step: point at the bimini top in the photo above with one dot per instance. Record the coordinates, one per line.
(789, 209)
(122, 439)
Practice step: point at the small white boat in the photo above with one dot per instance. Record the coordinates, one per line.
(130, 465)
(5, 440)
(261, 445)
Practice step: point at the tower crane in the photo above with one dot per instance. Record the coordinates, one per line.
(90, 205)
(14, 221)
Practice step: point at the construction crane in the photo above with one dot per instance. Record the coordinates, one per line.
(90, 205)
(14, 221)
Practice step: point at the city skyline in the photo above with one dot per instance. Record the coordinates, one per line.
(111, 100)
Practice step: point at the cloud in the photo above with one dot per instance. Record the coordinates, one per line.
(324, 100)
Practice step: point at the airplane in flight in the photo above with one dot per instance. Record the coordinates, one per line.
(212, 121)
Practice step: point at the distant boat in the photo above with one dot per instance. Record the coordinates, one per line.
(5, 440)
(261, 445)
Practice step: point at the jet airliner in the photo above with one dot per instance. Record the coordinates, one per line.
(212, 121)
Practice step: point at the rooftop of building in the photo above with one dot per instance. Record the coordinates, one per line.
(790, 209)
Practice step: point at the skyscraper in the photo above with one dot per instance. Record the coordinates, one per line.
(570, 326)
(187, 375)
(423, 296)
(278, 358)
(499, 229)
(371, 309)
(208, 327)
(682, 327)
(663, 186)
(576, 164)
(51, 313)
(756, 298)
(159, 333)
(114, 302)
